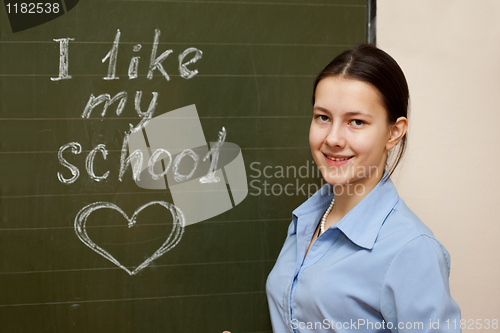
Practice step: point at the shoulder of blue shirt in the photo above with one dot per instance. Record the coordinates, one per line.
(380, 214)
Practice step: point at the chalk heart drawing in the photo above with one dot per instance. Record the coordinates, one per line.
(172, 240)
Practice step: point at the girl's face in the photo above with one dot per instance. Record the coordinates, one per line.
(349, 134)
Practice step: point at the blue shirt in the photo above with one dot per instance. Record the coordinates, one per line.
(379, 269)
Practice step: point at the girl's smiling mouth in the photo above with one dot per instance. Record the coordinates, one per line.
(337, 160)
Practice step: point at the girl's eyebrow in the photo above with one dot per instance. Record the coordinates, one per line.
(319, 108)
(349, 114)
(358, 113)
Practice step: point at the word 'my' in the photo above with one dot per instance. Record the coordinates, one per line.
(155, 62)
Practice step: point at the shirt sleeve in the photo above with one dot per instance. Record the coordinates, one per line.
(415, 295)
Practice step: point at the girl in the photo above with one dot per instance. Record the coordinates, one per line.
(356, 258)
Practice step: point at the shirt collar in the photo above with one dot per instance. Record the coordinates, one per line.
(362, 224)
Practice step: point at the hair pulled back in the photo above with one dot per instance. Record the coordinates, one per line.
(369, 64)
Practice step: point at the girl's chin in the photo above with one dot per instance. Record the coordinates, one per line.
(338, 175)
(337, 181)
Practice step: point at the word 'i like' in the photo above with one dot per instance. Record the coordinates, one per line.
(155, 62)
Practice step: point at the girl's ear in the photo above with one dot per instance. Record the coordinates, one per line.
(397, 131)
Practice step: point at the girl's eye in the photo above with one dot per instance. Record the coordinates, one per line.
(357, 122)
(322, 118)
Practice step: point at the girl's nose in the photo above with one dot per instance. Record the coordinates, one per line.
(336, 137)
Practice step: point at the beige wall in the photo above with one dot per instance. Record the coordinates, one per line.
(450, 53)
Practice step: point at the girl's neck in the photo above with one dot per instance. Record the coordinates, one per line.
(347, 196)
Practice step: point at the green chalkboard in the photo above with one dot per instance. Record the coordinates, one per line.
(245, 66)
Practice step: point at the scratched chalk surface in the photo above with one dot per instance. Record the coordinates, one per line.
(151, 153)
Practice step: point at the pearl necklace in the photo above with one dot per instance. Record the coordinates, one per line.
(325, 216)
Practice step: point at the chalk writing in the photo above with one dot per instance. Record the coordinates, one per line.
(155, 63)
(136, 155)
(136, 158)
(183, 70)
(172, 240)
(106, 98)
(63, 59)
(146, 116)
(112, 55)
(134, 63)
(214, 152)
(186, 152)
(152, 162)
(76, 148)
(94, 101)
(89, 162)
